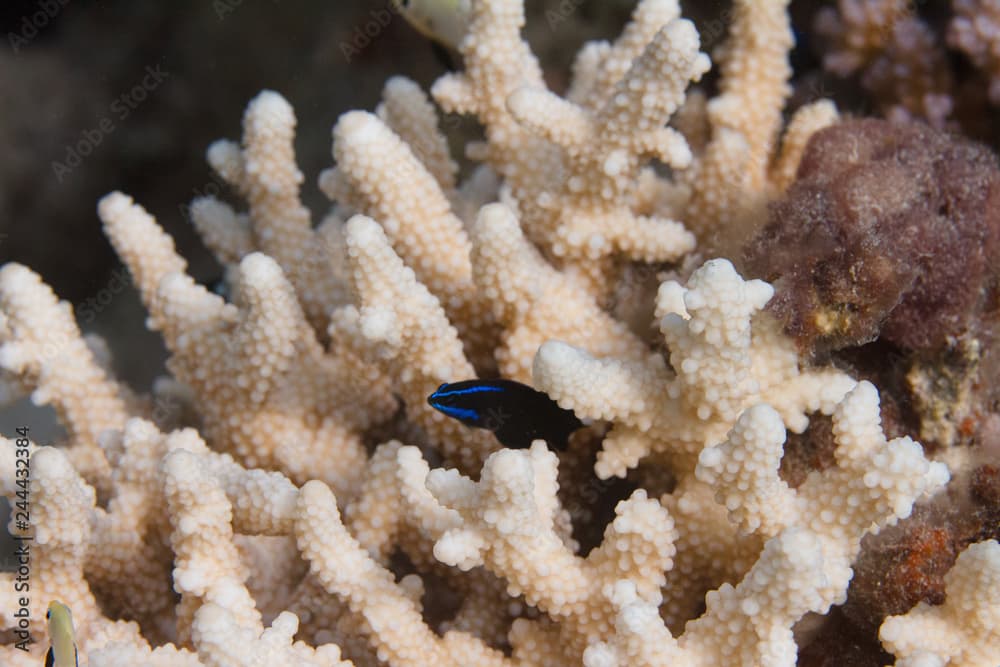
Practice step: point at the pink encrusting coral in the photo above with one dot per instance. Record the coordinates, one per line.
(307, 506)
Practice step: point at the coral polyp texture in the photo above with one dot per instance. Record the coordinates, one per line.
(287, 496)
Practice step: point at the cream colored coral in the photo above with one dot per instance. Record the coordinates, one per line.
(599, 66)
(207, 497)
(965, 630)
(388, 182)
(121, 654)
(267, 390)
(535, 302)
(805, 122)
(754, 85)
(874, 484)
(588, 204)
(572, 165)
(222, 642)
(408, 112)
(375, 515)
(420, 522)
(733, 178)
(227, 233)
(58, 538)
(379, 174)
(128, 561)
(411, 301)
(497, 63)
(710, 551)
(721, 367)
(345, 568)
(59, 507)
(748, 624)
(207, 567)
(401, 326)
(506, 522)
(210, 576)
(726, 360)
(265, 173)
(42, 348)
(814, 535)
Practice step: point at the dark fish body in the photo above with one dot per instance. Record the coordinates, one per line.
(514, 412)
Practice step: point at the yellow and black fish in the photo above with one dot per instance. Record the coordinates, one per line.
(62, 645)
(514, 412)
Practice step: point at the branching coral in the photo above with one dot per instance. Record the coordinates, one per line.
(379, 174)
(804, 565)
(577, 191)
(534, 302)
(739, 168)
(267, 390)
(720, 366)
(309, 521)
(507, 522)
(975, 29)
(265, 173)
(964, 630)
(403, 326)
(899, 58)
(43, 349)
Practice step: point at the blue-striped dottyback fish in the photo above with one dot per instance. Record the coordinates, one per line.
(516, 413)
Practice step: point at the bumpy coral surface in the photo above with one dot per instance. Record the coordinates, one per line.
(307, 506)
(937, 61)
(898, 57)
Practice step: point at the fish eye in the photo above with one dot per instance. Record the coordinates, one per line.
(48, 613)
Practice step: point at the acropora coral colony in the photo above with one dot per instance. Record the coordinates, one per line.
(288, 497)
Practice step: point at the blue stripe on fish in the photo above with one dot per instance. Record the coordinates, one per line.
(458, 392)
(457, 413)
